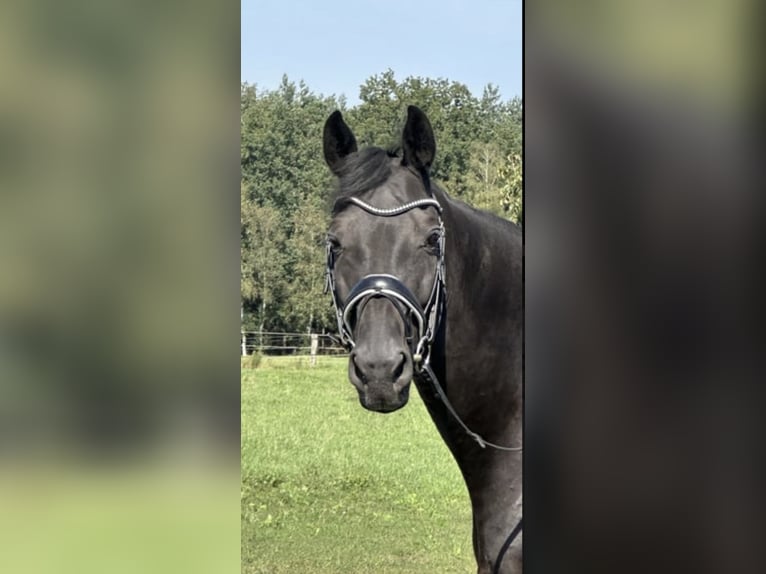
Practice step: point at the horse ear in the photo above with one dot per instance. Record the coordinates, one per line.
(418, 140)
(339, 141)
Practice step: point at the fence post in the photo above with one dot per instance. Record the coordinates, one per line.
(314, 348)
(242, 327)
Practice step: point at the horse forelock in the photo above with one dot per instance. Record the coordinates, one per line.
(365, 170)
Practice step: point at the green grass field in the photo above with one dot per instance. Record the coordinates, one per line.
(328, 487)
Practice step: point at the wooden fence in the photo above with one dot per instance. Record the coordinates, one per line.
(271, 343)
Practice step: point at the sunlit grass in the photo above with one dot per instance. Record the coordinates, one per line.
(330, 487)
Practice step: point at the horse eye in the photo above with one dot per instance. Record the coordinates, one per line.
(432, 241)
(334, 244)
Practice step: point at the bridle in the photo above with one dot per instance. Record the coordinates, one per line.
(427, 319)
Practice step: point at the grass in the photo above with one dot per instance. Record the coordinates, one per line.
(328, 487)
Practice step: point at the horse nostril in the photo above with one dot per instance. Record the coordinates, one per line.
(368, 368)
(399, 367)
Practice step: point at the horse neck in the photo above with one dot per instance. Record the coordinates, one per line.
(465, 253)
(483, 263)
(482, 335)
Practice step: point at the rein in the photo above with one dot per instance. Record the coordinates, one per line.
(506, 545)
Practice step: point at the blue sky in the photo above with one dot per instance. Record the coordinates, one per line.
(334, 45)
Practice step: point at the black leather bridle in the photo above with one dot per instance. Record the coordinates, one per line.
(424, 319)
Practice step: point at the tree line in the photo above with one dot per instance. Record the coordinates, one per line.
(285, 184)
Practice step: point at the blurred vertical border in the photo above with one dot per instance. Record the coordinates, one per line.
(644, 287)
(119, 317)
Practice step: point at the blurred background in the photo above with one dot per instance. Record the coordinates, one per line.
(643, 280)
(119, 385)
(119, 310)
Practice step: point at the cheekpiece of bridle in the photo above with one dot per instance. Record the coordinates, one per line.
(424, 320)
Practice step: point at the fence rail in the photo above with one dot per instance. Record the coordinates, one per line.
(275, 343)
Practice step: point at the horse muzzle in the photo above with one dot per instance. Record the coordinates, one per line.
(380, 365)
(382, 397)
(382, 380)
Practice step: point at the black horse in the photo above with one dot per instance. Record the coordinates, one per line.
(427, 288)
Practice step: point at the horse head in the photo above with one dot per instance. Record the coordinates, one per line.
(385, 258)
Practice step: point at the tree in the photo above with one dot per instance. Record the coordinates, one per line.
(281, 144)
(283, 172)
(262, 258)
(511, 176)
(483, 181)
(307, 308)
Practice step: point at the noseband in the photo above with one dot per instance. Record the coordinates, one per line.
(426, 319)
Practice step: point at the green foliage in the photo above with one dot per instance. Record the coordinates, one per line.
(511, 178)
(328, 487)
(285, 183)
(262, 257)
(306, 305)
